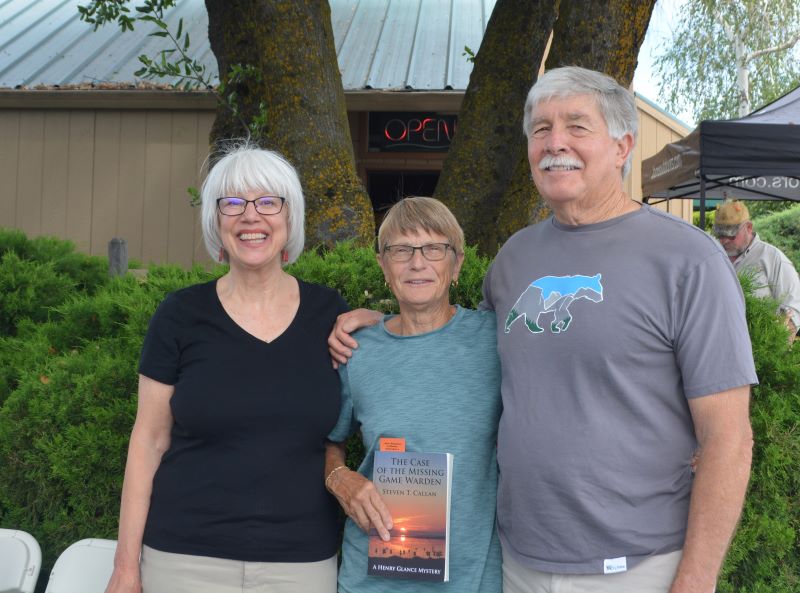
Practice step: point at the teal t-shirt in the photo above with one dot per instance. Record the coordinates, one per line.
(441, 392)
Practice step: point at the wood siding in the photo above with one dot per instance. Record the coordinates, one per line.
(655, 131)
(92, 175)
(89, 175)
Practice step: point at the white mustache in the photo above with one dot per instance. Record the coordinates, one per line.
(559, 161)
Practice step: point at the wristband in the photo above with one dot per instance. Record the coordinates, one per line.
(330, 475)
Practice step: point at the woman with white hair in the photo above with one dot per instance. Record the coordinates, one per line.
(222, 486)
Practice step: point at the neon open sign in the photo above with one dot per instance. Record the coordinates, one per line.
(410, 132)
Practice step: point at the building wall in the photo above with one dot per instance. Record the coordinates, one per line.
(655, 131)
(89, 175)
(92, 175)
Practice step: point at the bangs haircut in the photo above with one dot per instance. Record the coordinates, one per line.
(411, 215)
(243, 167)
(616, 103)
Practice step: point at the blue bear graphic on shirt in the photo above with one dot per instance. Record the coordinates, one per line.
(553, 294)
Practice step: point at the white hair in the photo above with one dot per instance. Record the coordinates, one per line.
(243, 168)
(616, 103)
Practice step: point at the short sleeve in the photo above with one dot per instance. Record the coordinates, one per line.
(487, 304)
(160, 356)
(346, 424)
(786, 287)
(711, 340)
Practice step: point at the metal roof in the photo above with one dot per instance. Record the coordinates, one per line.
(380, 44)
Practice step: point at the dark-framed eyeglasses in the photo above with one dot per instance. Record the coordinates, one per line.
(404, 253)
(267, 205)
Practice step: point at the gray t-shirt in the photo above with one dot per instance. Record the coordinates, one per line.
(604, 331)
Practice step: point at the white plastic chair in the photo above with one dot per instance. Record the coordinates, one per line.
(20, 561)
(84, 567)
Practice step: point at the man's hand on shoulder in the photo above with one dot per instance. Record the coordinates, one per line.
(340, 342)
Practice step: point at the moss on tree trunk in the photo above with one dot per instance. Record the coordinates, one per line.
(486, 177)
(603, 36)
(489, 151)
(297, 81)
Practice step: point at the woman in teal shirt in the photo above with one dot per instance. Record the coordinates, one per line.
(430, 375)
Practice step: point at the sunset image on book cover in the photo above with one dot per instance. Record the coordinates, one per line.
(416, 488)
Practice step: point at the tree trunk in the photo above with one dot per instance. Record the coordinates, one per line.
(603, 36)
(295, 83)
(489, 151)
(486, 177)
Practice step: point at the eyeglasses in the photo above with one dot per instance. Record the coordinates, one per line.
(267, 205)
(727, 230)
(404, 253)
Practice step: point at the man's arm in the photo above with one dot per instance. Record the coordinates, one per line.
(340, 344)
(785, 287)
(722, 426)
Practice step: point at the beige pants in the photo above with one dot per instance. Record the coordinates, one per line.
(653, 575)
(164, 572)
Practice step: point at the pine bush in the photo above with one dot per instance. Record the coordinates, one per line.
(782, 229)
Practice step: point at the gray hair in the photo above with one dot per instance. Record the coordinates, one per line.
(418, 213)
(616, 103)
(244, 167)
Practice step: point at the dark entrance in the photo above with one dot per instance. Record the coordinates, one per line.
(387, 187)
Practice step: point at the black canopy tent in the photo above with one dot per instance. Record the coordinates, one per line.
(755, 157)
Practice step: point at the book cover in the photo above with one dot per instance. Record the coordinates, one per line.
(416, 488)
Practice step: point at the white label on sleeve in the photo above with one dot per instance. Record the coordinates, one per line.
(612, 565)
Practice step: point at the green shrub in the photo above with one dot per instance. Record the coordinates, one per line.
(710, 215)
(782, 229)
(760, 208)
(87, 272)
(68, 399)
(63, 437)
(28, 289)
(765, 554)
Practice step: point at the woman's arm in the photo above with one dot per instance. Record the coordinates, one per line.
(150, 438)
(357, 495)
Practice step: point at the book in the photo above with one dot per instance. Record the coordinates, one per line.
(416, 488)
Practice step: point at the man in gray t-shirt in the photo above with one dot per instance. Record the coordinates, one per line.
(624, 348)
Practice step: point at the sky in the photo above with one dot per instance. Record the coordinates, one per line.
(666, 15)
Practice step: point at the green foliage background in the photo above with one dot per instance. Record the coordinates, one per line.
(782, 229)
(696, 67)
(68, 357)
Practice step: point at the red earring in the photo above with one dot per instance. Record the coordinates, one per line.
(221, 256)
(285, 256)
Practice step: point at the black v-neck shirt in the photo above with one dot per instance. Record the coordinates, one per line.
(243, 476)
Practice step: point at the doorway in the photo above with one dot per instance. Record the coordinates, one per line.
(385, 188)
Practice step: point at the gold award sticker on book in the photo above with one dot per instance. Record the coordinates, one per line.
(416, 488)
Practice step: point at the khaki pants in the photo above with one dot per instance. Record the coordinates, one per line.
(653, 575)
(164, 572)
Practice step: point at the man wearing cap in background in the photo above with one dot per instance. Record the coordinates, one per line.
(774, 275)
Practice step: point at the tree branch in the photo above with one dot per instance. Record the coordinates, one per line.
(726, 28)
(793, 39)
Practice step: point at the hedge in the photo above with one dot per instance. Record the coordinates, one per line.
(782, 229)
(68, 399)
